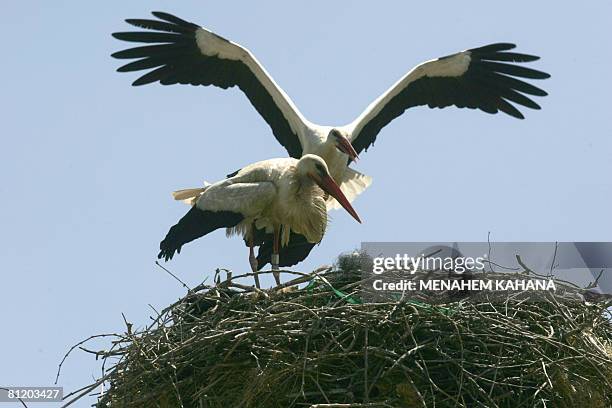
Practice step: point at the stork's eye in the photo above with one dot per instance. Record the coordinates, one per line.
(319, 168)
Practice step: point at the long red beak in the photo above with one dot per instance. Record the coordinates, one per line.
(345, 146)
(329, 185)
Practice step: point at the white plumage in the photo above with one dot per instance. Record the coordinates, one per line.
(279, 196)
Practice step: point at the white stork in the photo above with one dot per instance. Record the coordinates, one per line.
(182, 52)
(278, 195)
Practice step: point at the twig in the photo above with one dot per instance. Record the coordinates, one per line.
(18, 399)
(86, 391)
(173, 275)
(59, 368)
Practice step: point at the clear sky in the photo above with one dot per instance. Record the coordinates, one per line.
(87, 162)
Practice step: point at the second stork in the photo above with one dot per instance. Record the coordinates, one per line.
(277, 195)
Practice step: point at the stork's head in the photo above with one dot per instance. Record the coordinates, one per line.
(343, 143)
(315, 168)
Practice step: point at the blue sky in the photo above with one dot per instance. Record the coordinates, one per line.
(87, 162)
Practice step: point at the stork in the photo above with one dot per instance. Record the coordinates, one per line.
(179, 51)
(279, 195)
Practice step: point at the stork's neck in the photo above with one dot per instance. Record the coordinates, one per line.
(303, 187)
(325, 149)
(303, 205)
(318, 140)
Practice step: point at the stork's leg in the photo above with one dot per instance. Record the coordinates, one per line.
(275, 256)
(252, 259)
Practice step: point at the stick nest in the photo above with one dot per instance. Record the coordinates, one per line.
(320, 347)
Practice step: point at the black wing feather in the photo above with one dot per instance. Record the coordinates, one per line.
(514, 70)
(489, 84)
(141, 64)
(158, 25)
(162, 50)
(509, 109)
(195, 224)
(147, 37)
(176, 58)
(510, 57)
(154, 76)
(493, 48)
(174, 19)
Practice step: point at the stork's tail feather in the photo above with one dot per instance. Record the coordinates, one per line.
(190, 195)
(195, 224)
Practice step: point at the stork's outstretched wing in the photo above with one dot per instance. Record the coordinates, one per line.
(185, 53)
(481, 78)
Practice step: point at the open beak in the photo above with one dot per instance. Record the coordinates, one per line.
(329, 186)
(345, 146)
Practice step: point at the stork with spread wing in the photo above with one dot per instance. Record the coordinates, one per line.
(176, 51)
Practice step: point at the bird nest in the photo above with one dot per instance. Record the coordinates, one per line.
(320, 346)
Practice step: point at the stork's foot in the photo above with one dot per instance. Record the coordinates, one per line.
(275, 269)
(256, 276)
(253, 262)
